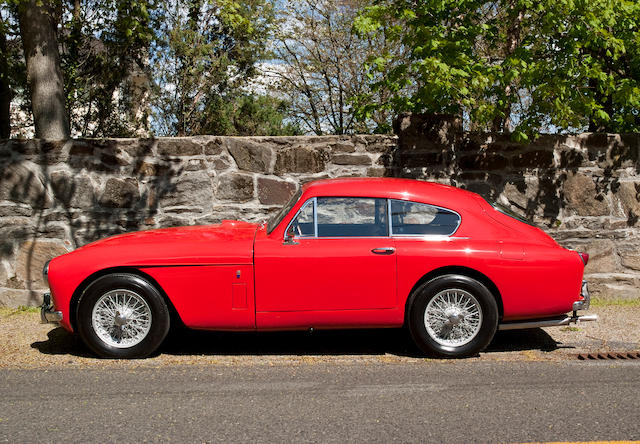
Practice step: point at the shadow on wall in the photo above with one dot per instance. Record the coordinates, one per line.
(55, 196)
(548, 180)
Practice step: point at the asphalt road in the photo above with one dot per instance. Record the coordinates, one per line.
(431, 401)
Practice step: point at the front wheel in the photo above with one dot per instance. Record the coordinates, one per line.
(453, 316)
(122, 316)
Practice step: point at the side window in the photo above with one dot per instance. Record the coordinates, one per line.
(411, 218)
(352, 217)
(303, 223)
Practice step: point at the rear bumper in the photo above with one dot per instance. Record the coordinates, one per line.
(47, 313)
(586, 299)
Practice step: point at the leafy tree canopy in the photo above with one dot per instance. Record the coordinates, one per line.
(521, 66)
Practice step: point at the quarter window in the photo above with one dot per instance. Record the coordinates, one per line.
(303, 223)
(411, 218)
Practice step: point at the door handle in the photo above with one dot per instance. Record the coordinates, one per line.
(383, 250)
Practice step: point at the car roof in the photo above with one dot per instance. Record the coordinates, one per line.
(393, 188)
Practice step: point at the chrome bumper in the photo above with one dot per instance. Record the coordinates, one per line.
(583, 304)
(47, 315)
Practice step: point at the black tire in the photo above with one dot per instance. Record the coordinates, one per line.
(440, 343)
(142, 292)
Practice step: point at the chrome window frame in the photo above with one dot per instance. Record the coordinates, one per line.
(421, 235)
(390, 233)
(315, 220)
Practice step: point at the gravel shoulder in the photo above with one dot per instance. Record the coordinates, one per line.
(28, 344)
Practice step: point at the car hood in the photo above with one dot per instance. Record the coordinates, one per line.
(230, 242)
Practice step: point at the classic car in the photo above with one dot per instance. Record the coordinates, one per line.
(342, 253)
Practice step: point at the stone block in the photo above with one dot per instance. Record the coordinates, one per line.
(178, 146)
(31, 257)
(186, 190)
(24, 183)
(235, 186)
(376, 172)
(342, 147)
(571, 159)
(14, 298)
(213, 147)
(628, 194)
(630, 255)
(602, 256)
(120, 193)
(82, 148)
(380, 144)
(299, 160)
(533, 159)
(483, 161)
(581, 197)
(15, 210)
(250, 156)
(351, 159)
(4, 275)
(614, 287)
(274, 191)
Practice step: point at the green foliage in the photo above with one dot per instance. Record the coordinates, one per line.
(248, 115)
(518, 65)
(208, 56)
(105, 63)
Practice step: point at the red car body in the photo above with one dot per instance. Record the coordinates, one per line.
(240, 276)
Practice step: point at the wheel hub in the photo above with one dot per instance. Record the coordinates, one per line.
(120, 320)
(454, 316)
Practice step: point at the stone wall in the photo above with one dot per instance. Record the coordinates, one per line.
(55, 196)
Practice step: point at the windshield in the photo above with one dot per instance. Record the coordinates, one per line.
(277, 218)
(509, 212)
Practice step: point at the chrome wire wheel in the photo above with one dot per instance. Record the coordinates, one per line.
(121, 318)
(453, 317)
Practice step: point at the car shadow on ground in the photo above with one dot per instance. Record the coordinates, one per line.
(326, 342)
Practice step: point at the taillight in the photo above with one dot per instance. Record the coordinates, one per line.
(584, 257)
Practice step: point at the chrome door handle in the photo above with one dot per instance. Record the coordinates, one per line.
(383, 250)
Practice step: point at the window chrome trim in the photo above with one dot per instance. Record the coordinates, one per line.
(315, 217)
(422, 235)
(314, 201)
(302, 208)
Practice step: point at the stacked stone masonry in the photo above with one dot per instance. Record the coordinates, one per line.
(584, 190)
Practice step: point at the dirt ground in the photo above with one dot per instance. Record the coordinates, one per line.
(26, 343)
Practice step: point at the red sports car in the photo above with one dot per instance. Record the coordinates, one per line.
(343, 253)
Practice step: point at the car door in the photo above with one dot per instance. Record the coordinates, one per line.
(336, 255)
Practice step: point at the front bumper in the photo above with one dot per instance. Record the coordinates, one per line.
(47, 313)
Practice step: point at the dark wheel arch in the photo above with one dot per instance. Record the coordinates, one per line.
(459, 270)
(176, 321)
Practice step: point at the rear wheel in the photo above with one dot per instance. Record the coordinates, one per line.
(122, 316)
(453, 316)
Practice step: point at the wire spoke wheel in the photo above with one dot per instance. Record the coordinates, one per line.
(453, 317)
(121, 318)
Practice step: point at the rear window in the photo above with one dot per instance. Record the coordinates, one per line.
(509, 212)
(412, 218)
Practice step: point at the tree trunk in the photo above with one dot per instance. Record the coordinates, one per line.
(44, 75)
(5, 91)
